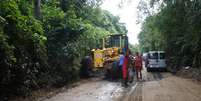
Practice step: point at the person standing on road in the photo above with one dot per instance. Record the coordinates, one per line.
(121, 61)
(125, 67)
(138, 65)
(85, 67)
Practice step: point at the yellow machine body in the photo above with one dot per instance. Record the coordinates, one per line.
(98, 58)
(109, 54)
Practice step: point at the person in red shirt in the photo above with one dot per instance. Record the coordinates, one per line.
(138, 65)
(125, 70)
(125, 67)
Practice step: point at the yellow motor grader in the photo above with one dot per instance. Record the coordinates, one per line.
(112, 46)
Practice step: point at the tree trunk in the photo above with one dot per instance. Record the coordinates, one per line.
(37, 12)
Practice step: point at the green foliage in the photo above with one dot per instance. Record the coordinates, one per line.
(175, 29)
(23, 50)
(150, 37)
(134, 48)
(47, 51)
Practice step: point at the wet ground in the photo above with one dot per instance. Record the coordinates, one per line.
(163, 86)
(96, 89)
(155, 86)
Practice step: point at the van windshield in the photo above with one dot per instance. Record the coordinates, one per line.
(162, 55)
(153, 56)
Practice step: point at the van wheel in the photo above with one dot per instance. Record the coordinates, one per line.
(148, 70)
(165, 70)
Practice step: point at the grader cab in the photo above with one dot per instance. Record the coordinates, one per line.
(111, 48)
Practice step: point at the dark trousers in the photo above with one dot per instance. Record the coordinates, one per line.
(139, 73)
(120, 72)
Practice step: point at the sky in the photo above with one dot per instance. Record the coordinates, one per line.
(127, 14)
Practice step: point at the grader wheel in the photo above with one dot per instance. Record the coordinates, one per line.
(111, 70)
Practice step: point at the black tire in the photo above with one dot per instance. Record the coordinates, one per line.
(148, 69)
(165, 70)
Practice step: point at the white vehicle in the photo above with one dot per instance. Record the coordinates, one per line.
(156, 60)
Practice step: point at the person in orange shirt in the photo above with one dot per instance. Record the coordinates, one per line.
(138, 65)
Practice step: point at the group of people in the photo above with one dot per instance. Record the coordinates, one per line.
(125, 69)
(129, 70)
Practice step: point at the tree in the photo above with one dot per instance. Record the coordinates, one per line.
(37, 8)
(43, 51)
(175, 29)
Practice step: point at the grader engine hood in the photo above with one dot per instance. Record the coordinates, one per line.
(111, 54)
(105, 55)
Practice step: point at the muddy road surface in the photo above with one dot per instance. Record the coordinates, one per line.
(163, 86)
(155, 86)
(95, 89)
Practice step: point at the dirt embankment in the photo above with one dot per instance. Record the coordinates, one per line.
(191, 73)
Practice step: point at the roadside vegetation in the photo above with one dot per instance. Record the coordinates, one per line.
(43, 41)
(134, 48)
(174, 28)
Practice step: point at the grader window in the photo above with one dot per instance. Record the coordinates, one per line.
(115, 41)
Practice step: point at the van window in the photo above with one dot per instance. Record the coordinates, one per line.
(162, 55)
(153, 55)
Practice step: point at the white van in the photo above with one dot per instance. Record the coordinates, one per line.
(156, 60)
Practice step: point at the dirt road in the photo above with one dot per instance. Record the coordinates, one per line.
(161, 86)
(156, 86)
(95, 89)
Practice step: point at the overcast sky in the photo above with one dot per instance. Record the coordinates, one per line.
(127, 14)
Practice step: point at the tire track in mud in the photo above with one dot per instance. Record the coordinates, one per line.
(137, 93)
(153, 76)
(134, 93)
